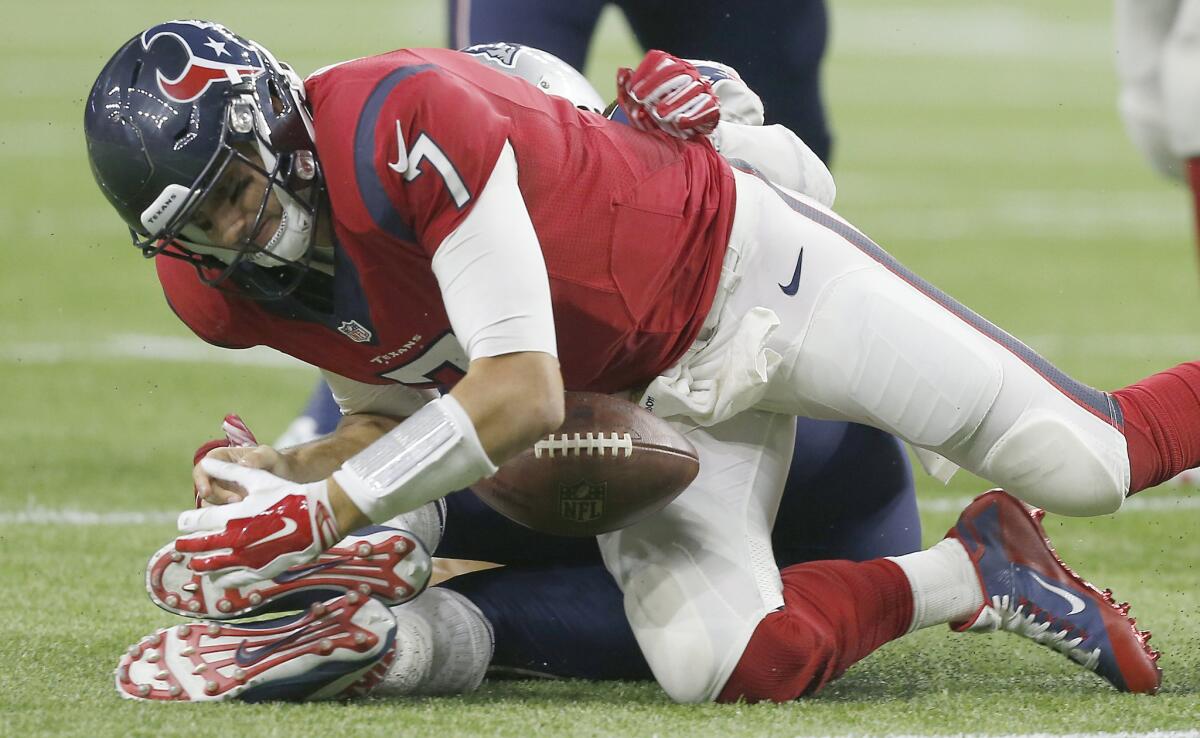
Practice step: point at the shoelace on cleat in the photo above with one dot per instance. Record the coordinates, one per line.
(1027, 624)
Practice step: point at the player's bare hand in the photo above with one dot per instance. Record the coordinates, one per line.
(220, 492)
(668, 94)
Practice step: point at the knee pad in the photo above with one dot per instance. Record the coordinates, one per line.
(879, 352)
(1050, 462)
(788, 656)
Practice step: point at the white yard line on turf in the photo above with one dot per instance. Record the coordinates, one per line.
(1147, 502)
(125, 346)
(38, 515)
(34, 515)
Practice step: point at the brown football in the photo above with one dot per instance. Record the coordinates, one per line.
(609, 465)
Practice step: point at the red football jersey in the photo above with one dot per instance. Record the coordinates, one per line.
(632, 227)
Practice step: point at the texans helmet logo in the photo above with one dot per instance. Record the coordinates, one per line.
(214, 55)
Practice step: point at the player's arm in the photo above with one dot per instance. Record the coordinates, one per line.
(497, 296)
(370, 410)
(458, 184)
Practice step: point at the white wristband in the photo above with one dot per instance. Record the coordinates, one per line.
(433, 453)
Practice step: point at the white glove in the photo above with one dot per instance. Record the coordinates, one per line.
(739, 103)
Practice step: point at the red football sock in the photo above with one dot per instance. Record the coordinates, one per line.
(1162, 424)
(834, 613)
(1192, 170)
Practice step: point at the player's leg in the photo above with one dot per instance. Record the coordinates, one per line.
(776, 47)
(474, 531)
(861, 338)
(561, 28)
(995, 570)
(715, 620)
(849, 495)
(554, 621)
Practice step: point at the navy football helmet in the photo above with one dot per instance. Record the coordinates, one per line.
(188, 115)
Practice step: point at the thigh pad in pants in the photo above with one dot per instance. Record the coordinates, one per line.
(699, 575)
(872, 353)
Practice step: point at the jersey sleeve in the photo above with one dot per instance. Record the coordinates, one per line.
(492, 273)
(437, 138)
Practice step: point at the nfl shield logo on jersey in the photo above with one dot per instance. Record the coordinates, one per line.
(355, 331)
(583, 501)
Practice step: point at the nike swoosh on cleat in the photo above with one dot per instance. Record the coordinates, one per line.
(790, 288)
(248, 657)
(1077, 604)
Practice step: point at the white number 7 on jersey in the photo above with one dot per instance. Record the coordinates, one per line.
(408, 163)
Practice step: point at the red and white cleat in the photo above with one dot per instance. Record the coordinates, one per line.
(389, 564)
(323, 653)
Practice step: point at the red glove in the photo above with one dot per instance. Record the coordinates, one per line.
(666, 93)
(237, 434)
(278, 525)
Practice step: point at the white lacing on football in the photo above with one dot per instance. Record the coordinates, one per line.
(580, 443)
(1000, 615)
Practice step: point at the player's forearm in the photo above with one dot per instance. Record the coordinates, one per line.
(512, 400)
(318, 459)
(503, 405)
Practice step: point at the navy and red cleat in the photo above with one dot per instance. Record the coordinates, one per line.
(1028, 590)
(334, 650)
(389, 564)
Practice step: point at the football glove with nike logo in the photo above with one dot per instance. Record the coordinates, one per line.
(278, 525)
(668, 94)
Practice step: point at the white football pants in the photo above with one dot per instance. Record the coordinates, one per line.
(814, 319)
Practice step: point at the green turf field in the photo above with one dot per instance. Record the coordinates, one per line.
(977, 141)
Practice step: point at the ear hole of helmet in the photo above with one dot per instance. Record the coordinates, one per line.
(277, 103)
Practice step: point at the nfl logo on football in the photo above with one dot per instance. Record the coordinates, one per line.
(582, 501)
(355, 331)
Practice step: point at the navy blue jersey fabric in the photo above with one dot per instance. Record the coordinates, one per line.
(776, 46)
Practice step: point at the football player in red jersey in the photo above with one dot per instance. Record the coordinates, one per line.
(438, 224)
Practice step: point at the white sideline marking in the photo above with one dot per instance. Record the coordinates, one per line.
(36, 515)
(125, 346)
(1144, 502)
